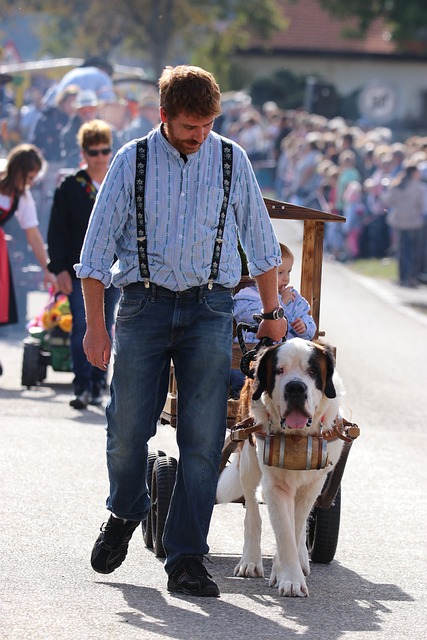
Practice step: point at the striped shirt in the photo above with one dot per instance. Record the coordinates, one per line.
(182, 206)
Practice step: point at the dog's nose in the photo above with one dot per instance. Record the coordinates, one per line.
(296, 388)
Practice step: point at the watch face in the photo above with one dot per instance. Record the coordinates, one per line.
(279, 312)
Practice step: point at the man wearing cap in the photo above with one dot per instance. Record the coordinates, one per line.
(86, 109)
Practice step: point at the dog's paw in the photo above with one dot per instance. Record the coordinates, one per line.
(249, 569)
(287, 584)
(293, 589)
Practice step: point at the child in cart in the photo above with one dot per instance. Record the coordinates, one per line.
(247, 303)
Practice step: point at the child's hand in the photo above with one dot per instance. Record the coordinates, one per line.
(299, 326)
(287, 294)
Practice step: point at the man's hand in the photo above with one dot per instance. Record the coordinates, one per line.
(274, 329)
(96, 342)
(97, 347)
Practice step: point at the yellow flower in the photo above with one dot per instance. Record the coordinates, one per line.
(66, 322)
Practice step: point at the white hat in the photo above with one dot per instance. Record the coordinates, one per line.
(86, 98)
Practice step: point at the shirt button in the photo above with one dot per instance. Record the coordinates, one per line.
(182, 195)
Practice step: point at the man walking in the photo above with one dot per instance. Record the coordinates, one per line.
(171, 208)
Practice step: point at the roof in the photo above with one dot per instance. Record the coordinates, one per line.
(312, 29)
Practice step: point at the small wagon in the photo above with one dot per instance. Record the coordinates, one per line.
(324, 520)
(47, 342)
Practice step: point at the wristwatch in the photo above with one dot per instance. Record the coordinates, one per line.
(276, 314)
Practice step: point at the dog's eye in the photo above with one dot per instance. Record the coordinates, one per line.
(279, 371)
(312, 372)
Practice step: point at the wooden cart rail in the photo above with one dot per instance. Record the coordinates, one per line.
(312, 246)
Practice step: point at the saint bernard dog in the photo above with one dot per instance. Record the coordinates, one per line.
(296, 391)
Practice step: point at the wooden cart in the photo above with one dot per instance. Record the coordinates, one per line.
(323, 526)
(310, 287)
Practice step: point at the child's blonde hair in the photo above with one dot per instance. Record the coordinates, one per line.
(286, 252)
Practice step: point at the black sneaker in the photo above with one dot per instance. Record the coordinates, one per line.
(80, 400)
(190, 576)
(111, 547)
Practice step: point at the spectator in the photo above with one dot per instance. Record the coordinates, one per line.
(86, 109)
(347, 173)
(306, 180)
(354, 212)
(46, 134)
(23, 164)
(377, 187)
(47, 137)
(71, 210)
(31, 111)
(406, 201)
(148, 118)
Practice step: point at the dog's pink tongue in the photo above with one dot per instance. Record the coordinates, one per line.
(296, 420)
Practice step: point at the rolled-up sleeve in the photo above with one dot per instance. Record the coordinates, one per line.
(256, 231)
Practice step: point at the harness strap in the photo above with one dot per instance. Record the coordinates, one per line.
(343, 430)
(244, 430)
(140, 177)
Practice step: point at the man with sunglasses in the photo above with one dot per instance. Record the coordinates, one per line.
(71, 209)
(172, 207)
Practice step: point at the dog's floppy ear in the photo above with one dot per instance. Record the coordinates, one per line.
(264, 376)
(330, 366)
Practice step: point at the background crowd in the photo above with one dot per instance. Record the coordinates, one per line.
(307, 159)
(352, 170)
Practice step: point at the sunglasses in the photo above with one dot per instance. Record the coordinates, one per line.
(96, 152)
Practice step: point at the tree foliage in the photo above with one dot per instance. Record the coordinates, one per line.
(159, 32)
(406, 19)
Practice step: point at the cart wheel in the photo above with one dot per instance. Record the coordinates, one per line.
(163, 481)
(146, 524)
(322, 531)
(31, 364)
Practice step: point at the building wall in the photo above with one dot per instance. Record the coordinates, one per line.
(408, 78)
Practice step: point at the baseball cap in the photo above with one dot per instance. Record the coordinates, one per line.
(86, 98)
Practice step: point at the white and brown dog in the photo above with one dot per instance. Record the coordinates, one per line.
(296, 390)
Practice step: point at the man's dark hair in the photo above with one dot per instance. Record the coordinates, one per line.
(190, 90)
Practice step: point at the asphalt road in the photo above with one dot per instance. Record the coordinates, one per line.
(53, 486)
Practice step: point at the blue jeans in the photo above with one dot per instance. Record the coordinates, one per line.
(410, 247)
(85, 375)
(194, 330)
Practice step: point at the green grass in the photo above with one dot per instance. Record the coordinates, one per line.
(384, 268)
